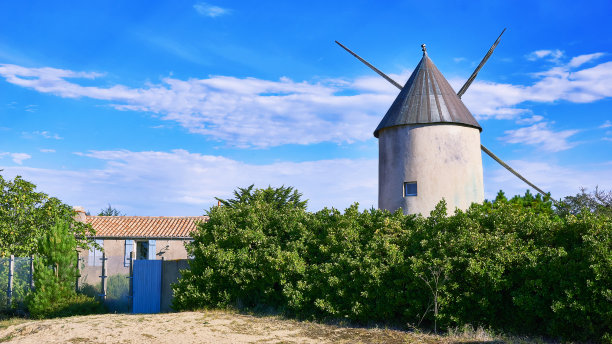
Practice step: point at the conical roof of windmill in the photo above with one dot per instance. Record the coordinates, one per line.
(427, 98)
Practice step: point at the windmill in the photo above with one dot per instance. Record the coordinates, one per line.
(428, 143)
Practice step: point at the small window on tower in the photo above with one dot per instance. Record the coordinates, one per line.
(410, 189)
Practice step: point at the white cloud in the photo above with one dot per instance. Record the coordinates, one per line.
(551, 55)
(497, 100)
(541, 136)
(607, 124)
(209, 10)
(242, 112)
(43, 133)
(250, 112)
(582, 59)
(560, 181)
(45, 150)
(530, 120)
(184, 183)
(17, 158)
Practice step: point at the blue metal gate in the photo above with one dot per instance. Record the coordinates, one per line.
(146, 286)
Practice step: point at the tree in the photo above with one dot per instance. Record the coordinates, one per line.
(54, 276)
(26, 214)
(54, 269)
(110, 211)
(278, 197)
(597, 202)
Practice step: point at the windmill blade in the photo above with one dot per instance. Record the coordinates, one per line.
(371, 67)
(484, 60)
(489, 153)
(483, 148)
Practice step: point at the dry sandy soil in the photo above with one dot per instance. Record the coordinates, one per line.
(205, 327)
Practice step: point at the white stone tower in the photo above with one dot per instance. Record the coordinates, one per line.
(429, 147)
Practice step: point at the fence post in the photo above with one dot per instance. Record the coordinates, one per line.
(161, 283)
(103, 277)
(78, 272)
(31, 275)
(9, 290)
(131, 284)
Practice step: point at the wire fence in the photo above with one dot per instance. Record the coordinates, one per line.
(105, 278)
(16, 282)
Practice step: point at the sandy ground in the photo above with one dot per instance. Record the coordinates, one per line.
(200, 327)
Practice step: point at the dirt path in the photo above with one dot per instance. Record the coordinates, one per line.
(199, 327)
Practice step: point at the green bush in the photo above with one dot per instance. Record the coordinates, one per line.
(513, 265)
(76, 304)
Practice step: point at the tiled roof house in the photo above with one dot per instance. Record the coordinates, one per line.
(145, 237)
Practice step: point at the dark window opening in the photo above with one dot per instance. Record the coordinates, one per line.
(410, 189)
(142, 250)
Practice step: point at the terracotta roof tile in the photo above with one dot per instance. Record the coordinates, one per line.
(145, 226)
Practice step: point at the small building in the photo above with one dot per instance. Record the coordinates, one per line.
(146, 237)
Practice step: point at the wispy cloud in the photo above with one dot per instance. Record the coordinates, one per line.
(241, 111)
(171, 46)
(561, 181)
(551, 55)
(209, 10)
(183, 183)
(497, 100)
(582, 59)
(42, 133)
(530, 120)
(251, 112)
(606, 124)
(542, 136)
(17, 158)
(47, 150)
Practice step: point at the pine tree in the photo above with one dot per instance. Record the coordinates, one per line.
(54, 271)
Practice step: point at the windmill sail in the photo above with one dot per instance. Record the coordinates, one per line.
(484, 60)
(482, 147)
(371, 67)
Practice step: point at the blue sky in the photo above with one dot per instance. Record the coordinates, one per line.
(158, 107)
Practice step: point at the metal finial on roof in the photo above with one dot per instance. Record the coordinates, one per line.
(424, 48)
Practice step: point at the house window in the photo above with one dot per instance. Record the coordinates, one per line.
(146, 250)
(410, 189)
(95, 255)
(129, 248)
(142, 250)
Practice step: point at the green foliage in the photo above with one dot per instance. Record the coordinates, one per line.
(25, 215)
(21, 284)
(516, 265)
(278, 198)
(54, 276)
(110, 211)
(76, 304)
(598, 202)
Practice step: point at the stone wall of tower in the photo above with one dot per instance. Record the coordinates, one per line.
(443, 159)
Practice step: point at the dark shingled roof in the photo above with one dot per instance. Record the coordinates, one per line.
(427, 98)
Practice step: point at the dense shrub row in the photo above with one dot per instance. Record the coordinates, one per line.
(511, 265)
